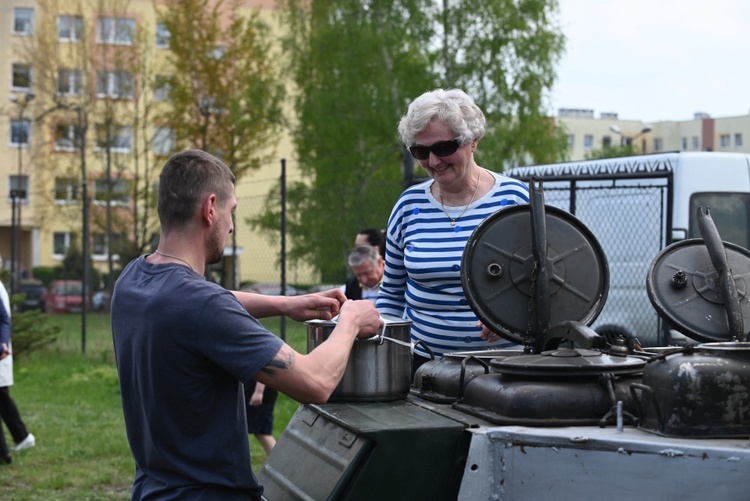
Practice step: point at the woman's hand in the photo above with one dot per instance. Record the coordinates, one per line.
(487, 334)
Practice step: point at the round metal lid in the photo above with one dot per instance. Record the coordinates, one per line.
(683, 287)
(498, 265)
(567, 363)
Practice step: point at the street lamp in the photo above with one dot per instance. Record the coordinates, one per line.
(18, 194)
(628, 140)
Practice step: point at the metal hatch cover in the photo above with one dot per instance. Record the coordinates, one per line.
(498, 268)
(684, 288)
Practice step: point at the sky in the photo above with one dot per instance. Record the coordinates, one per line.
(655, 60)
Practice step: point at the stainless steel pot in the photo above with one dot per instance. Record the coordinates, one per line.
(379, 368)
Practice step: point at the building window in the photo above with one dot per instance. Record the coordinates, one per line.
(68, 137)
(164, 140)
(162, 88)
(723, 141)
(571, 141)
(738, 141)
(163, 36)
(66, 190)
(20, 130)
(21, 77)
(19, 183)
(23, 21)
(115, 30)
(695, 144)
(588, 142)
(119, 138)
(120, 193)
(606, 141)
(60, 244)
(658, 144)
(114, 84)
(69, 82)
(69, 28)
(683, 143)
(99, 247)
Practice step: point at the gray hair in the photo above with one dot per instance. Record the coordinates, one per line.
(453, 107)
(362, 253)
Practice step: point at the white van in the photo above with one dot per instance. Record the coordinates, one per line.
(636, 206)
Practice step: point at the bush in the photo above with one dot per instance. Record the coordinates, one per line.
(30, 330)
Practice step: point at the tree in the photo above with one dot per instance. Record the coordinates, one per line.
(356, 65)
(225, 92)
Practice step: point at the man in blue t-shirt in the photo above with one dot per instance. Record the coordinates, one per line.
(184, 346)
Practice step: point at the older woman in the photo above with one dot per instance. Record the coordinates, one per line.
(431, 223)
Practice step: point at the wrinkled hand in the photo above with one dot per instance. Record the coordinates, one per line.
(487, 334)
(364, 315)
(4, 351)
(319, 306)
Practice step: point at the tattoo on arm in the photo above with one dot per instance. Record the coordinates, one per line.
(284, 360)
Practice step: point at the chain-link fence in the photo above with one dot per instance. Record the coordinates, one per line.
(631, 220)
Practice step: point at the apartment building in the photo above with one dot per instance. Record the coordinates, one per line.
(587, 132)
(53, 153)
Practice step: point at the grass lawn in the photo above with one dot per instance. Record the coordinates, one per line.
(71, 403)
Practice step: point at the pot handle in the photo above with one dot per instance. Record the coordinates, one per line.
(427, 348)
(463, 372)
(647, 390)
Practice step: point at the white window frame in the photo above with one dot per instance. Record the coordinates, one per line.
(66, 238)
(658, 144)
(738, 140)
(163, 36)
(24, 124)
(13, 184)
(164, 141)
(122, 138)
(684, 143)
(69, 186)
(115, 30)
(72, 135)
(725, 141)
(17, 69)
(114, 84)
(23, 18)
(73, 80)
(120, 192)
(588, 142)
(695, 143)
(69, 28)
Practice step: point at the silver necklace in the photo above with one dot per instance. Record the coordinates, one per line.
(454, 219)
(173, 257)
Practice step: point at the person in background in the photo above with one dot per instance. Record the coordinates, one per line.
(184, 346)
(372, 236)
(261, 400)
(8, 409)
(431, 223)
(367, 265)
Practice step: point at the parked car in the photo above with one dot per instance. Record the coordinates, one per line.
(272, 289)
(63, 296)
(34, 290)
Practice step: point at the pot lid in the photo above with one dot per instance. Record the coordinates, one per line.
(568, 362)
(498, 268)
(685, 289)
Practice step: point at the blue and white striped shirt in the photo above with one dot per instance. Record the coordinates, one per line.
(422, 280)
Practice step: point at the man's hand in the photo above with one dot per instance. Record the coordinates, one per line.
(319, 306)
(487, 334)
(363, 315)
(4, 351)
(257, 397)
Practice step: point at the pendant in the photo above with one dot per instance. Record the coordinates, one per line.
(453, 222)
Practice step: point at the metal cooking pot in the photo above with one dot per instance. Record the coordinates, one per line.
(379, 368)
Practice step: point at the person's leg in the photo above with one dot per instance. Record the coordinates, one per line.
(267, 442)
(4, 454)
(12, 418)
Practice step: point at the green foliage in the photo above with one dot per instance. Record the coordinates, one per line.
(358, 65)
(31, 330)
(44, 273)
(225, 89)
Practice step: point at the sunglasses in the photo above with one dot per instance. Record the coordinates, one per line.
(439, 149)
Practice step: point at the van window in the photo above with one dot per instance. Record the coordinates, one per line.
(730, 213)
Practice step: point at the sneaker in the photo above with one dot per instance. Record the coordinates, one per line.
(26, 443)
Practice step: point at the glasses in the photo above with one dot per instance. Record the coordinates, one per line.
(439, 149)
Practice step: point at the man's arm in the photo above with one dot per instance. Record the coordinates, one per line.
(320, 306)
(312, 378)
